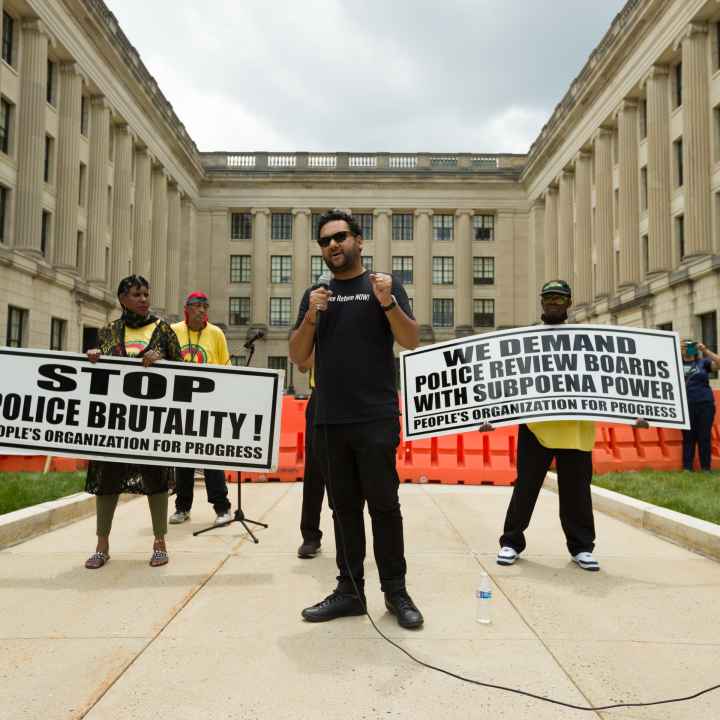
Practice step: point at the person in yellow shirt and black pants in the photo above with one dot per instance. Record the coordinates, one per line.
(201, 342)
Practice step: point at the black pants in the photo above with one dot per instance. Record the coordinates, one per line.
(574, 471)
(313, 486)
(362, 468)
(215, 485)
(701, 421)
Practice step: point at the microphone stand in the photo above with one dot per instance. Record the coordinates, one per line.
(239, 515)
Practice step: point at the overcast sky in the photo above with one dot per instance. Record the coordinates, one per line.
(364, 75)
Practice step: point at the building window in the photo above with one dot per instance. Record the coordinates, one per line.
(402, 268)
(316, 268)
(680, 234)
(50, 84)
(402, 226)
(240, 268)
(367, 261)
(238, 360)
(280, 269)
(45, 232)
(643, 188)
(4, 192)
(645, 250)
(483, 270)
(443, 227)
(315, 225)
(281, 226)
(8, 38)
(668, 326)
(679, 169)
(677, 86)
(443, 270)
(484, 313)
(279, 362)
(5, 125)
(239, 311)
(643, 119)
(17, 321)
(84, 116)
(57, 333)
(241, 226)
(484, 227)
(708, 330)
(47, 169)
(365, 221)
(443, 312)
(280, 312)
(82, 185)
(80, 252)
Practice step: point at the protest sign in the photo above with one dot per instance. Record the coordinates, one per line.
(541, 373)
(205, 416)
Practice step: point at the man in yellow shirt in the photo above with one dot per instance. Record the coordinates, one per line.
(570, 443)
(201, 342)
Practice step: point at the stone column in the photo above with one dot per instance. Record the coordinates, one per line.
(463, 273)
(31, 136)
(565, 226)
(172, 289)
(422, 304)
(604, 213)
(658, 171)
(629, 209)
(550, 234)
(68, 166)
(536, 272)
(260, 276)
(505, 263)
(158, 263)
(122, 244)
(301, 260)
(582, 275)
(381, 238)
(696, 140)
(142, 244)
(97, 189)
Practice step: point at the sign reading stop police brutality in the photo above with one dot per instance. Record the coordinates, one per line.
(206, 416)
(535, 374)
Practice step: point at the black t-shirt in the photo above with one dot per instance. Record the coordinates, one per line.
(354, 362)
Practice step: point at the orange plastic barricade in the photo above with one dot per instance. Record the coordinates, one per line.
(36, 463)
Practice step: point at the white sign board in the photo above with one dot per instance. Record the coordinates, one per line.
(204, 416)
(545, 372)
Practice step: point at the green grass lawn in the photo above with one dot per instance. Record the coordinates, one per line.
(19, 490)
(692, 493)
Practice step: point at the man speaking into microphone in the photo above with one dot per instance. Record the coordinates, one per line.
(352, 321)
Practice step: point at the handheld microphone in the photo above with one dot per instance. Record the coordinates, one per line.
(255, 336)
(325, 279)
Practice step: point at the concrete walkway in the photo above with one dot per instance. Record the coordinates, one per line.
(217, 633)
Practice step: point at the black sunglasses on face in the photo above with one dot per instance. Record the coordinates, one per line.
(338, 237)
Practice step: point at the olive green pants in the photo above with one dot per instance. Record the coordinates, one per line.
(105, 510)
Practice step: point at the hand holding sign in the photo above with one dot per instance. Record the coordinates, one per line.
(93, 355)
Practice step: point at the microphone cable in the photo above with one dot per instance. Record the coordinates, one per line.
(435, 668)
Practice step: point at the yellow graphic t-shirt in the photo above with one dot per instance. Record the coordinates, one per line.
(203, 347)
(137, 339)
(565, 434)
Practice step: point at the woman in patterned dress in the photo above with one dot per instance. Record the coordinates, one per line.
(137, 333)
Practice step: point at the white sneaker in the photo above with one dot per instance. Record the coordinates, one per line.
(586, 561)
(506, 556)
(179, 516)
(226, 517)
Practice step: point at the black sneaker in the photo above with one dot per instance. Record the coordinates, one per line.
(309, 549)
(401, 605)
(334, 606)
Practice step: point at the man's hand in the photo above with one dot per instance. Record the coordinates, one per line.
(642, 423)
(486, 427)
(150, 358)
(93, 355)
(318, 302)
(382, 287)
(702, 348)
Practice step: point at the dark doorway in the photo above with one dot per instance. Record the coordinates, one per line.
(90, 338)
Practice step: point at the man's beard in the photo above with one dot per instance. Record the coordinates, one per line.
(350, 257)
(555, 319)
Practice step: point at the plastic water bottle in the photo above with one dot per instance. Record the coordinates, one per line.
(483, 600)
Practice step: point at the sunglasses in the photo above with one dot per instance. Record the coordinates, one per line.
(338, 237)
(555, 299)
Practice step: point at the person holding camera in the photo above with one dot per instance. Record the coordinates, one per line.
(698, 363)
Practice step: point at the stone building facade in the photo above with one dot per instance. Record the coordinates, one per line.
(620, 194)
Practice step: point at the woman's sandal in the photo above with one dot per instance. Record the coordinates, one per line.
(159, 556)
(96, 560)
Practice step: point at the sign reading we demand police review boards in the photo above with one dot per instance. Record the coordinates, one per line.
(204, 416)
(545, 372)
